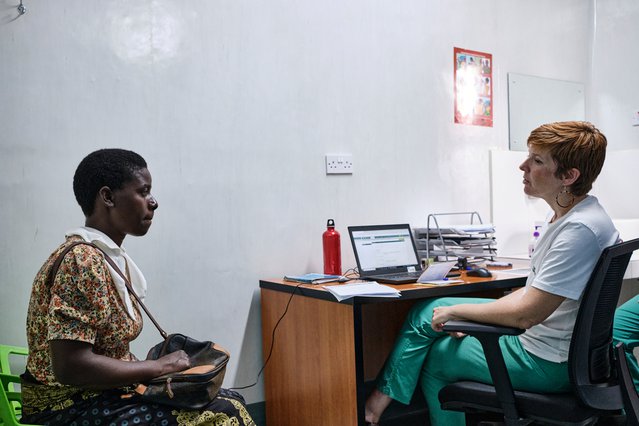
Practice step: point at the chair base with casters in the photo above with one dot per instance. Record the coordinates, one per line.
(596, 392)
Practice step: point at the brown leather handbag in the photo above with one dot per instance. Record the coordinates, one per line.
(189, 389)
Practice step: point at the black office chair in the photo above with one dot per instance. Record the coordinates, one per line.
(628, 391)
(596, 391)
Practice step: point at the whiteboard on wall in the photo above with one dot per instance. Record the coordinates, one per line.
(533, 101)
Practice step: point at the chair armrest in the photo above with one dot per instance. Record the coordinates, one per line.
(488, 335)
(472, 328)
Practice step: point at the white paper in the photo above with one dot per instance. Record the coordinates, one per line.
(368, 289)
(441, 282)
(436, 272)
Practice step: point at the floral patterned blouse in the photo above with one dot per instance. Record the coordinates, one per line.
(82, 304)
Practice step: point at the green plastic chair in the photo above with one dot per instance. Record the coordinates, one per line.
(9, 399)
(5, 352)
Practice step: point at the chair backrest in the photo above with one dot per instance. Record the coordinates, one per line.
(590, 361)
(6, 351)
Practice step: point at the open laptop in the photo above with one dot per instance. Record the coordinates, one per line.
(385, 253)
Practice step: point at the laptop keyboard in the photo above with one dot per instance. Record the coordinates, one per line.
(403, 275)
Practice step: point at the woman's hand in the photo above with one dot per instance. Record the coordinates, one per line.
(173, 362)
(441, 315)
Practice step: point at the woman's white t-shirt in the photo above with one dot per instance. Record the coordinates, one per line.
(562, 263)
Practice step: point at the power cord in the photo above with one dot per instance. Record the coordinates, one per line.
(350, 271)
(270, 351)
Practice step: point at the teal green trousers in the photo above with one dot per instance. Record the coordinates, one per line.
(435, 360)
(626, 330)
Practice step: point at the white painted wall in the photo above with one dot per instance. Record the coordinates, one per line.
(615, 96)
(234, 105)
(615, 88)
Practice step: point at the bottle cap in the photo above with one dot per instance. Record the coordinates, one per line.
(330, 223)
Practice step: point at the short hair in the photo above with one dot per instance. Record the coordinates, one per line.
(573, 144)
(110, 167)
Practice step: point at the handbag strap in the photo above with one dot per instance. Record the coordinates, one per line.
(58, 261)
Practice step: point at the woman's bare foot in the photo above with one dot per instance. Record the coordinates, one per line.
(375, 406)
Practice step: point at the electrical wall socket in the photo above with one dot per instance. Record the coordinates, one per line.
(339, 164)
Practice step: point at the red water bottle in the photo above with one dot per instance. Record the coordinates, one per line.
(332, 250)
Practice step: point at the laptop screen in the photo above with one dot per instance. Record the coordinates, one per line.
(384, 248)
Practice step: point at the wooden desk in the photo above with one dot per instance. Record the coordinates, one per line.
(324, 351)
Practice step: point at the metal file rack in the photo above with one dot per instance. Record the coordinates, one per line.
(471, 239)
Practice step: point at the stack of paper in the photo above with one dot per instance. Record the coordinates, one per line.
(486, 228)
(368, 289)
